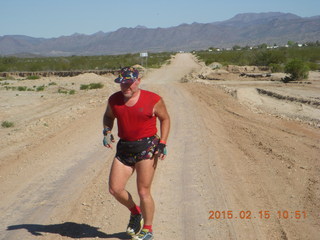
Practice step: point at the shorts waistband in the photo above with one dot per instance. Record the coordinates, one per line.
(141, 139)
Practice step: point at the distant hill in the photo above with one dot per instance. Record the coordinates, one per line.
(243, 29)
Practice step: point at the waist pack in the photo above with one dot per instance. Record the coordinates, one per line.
(133, 147)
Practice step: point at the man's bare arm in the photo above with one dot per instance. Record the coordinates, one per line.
(161, 112)
(108, 120)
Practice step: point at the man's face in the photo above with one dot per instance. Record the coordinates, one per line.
(129, 89)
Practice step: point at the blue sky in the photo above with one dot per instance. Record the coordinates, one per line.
(54, 18)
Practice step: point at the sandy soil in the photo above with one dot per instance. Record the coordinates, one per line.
(248, 160)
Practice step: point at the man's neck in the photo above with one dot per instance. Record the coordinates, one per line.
(133, 99)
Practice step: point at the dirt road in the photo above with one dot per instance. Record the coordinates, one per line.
(231, 173)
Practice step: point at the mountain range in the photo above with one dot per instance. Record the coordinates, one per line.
(246, 29)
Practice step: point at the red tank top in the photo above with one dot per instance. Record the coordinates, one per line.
(137, 121)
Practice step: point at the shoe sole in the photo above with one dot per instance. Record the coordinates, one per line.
(135, 238)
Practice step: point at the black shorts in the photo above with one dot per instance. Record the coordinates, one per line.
(131, 152)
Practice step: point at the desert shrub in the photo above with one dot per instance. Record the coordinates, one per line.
(52, 83)
(297, 69)
(84, 87)
(275, 67)
(313, 66)
(33, 77)
(227, 57)
(267, 57)
(22, 88)
(40, 88)
(7, 124)
(71, 92)
(62, 91)
(91, 86)
(95, 85)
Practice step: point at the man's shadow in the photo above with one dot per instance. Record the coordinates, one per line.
(68, 229)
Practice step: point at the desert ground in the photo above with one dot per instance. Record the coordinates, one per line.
(243, 157)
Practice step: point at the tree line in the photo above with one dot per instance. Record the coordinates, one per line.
(76, 63)
(295, 59)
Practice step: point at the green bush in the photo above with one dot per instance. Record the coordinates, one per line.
(7, 124)
(267, 57)
(40, 88)
(33, 77)
(276, 67)
(313, 66)
(84, 87)
(62, 91)
(91, 86)
(297, 69)
(95, 85)
(71, 92)
(22, 88)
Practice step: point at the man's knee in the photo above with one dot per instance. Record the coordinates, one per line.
(144, 193)
(115, 191)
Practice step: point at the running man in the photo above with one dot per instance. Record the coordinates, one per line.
(139, 147)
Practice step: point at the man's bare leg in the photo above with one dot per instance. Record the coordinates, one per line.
(118, 178)
(145, 172)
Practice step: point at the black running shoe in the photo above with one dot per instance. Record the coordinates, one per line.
(135, 224)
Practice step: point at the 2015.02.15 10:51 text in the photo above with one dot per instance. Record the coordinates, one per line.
(263, 214)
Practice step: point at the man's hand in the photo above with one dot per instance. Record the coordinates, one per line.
(108, 138)
(161, 150)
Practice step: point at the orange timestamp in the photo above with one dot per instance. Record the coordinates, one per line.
(262, 214)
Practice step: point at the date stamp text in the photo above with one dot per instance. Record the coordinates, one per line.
(262, 214)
